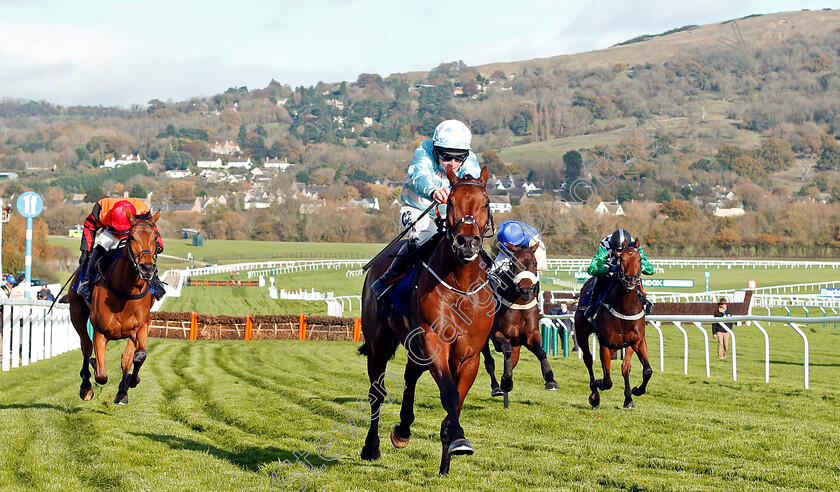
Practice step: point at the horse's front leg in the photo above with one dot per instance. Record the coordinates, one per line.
(490, 366)
(100, 343)
(139, 355)
(535, 346)
(647, 371)
(606, 354)
(451, 433)
(127, 359)
(507, 373)
(625, 371)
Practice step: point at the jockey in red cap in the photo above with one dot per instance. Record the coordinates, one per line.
(110, 214)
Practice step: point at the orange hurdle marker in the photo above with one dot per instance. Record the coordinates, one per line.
(357, 330)
(193, 327)
(302, 327)
(249, 327)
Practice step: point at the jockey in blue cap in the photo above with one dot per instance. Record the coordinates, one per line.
(520, 235)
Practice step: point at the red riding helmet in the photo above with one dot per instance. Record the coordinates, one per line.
(117, 218)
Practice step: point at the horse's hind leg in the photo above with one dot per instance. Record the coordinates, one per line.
(647, 371)
(380, 350)
(536, 348)
(79, 318)
(490, 365)
(99, 345)
(127, 360)
(401, 433)
(586, 353)
(605, 383)
(625, 371)
(139, 356)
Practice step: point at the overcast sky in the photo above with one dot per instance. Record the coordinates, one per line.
(116, 52)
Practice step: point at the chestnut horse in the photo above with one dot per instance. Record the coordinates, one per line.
(620, 323)
(450, 316)
(120, 304)
(517, 321)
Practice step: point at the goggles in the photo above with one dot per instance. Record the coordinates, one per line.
(452, 154)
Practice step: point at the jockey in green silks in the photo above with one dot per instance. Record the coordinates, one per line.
(603, 264)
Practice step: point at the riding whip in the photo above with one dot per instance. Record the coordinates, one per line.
(400, 236)
(55, 299)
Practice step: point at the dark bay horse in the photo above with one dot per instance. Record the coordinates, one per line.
(620, 323)
(451, 313)
(120, 304)
(517, 322)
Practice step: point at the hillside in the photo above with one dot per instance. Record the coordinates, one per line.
(755, 32)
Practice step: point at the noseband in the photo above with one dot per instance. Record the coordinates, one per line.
(134, 258)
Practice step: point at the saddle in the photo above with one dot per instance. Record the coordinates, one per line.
(399, 296)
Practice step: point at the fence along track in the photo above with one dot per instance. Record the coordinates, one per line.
(31, 334)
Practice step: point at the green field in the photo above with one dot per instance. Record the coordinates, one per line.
(219, 416)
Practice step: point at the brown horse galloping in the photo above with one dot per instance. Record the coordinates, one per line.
(451, 313)
(120, 304)
(517, 322)
(620, 323)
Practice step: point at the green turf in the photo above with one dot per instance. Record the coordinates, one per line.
(219, 415)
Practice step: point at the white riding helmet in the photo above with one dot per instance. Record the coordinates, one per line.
(452, 134)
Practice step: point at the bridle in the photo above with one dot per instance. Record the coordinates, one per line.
(134, 259)
(628, 282)
(489, 224)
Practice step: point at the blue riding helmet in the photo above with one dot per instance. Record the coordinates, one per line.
(516, 233)
(11, 279)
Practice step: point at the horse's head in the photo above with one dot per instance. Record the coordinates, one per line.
(523, 270)
(630, 266)
(468, 216)
(142, 244)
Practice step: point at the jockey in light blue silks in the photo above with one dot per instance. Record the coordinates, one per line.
(426, 183)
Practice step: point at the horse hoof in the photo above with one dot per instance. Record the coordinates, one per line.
(637, 392)
(507, 385)
(594, 400)
(101, 381)
(86, 391)
(398, 441)
(630, 404)
(552, 386)
(133, 382)
(370, 453)
(497, 392)
(121, 399)
(461, 446)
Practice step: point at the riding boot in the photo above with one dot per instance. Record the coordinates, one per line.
(383, 284)
(84, 288)
(645, 302)
(594, 304)
(159, 286)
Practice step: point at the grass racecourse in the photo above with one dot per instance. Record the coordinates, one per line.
(224, 415)
(247, 415)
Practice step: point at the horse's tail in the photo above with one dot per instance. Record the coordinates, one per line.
(364, 349)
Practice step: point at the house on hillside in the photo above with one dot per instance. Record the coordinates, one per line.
(124, 160)
(209, 163)
(278, 164)
(729, 212)
(365, 203)
(227, 148)
(609, 208)
(239, 163)
(499, 204)
(178, 173)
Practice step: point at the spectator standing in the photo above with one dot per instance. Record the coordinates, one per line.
(45, 294)
(718, 332)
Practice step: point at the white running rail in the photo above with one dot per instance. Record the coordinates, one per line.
(31, 334)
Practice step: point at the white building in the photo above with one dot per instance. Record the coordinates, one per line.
(499, 204)
(611, 208)
(178, 173)
(278, 164)
(226, 147)
(209, 164)
(240, 163)
(124, 160)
